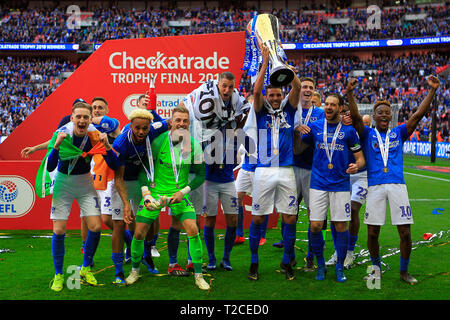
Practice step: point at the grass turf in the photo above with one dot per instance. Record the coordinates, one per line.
(27, 271)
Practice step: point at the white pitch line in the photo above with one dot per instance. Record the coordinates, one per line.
(420, 175)
(429, 199)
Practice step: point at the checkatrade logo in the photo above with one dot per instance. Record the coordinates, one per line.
(17, 196)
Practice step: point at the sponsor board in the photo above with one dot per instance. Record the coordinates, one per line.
(164, 103)
(17, 196)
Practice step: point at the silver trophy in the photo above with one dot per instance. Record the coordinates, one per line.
(266, 30)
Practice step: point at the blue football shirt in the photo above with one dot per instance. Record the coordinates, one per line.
(305, 159)
(266, 156)
(335, 179)
(374, 161)
(126, 152)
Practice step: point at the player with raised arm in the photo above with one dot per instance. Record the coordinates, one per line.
(330, 182)
(383, 148)
(274, 181)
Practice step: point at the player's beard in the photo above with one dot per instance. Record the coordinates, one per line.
(334, 117)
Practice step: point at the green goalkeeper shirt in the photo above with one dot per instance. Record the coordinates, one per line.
(164, 177)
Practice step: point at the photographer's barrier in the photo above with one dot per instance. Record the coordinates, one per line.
(20, 208)
(423, 148)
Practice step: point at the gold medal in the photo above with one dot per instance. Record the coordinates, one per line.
(385, 169)
(330, 166)
(275, 152)
(221, 166)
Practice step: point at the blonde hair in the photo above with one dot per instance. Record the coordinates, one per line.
(140, 113)
(82, 105)
(181, 109)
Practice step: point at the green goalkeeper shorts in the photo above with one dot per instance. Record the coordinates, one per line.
(182, 211)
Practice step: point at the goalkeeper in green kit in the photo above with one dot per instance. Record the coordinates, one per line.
(174, 153)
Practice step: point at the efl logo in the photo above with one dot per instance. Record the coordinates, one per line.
(164, 103)
(17, 196)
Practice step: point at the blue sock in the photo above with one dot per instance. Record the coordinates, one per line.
(173, 240)
(209, 241)
(264, 227)
(147, 249)
(254, 237)
(376, 261)
(333, 234)
(352, 242)
(92, 240)
(310, 255)
(58, 252)
(240, 223)
(317, 247)
(128, 237)
(404, 264)
(153, 241)
(341, 247)
(117, 258)
(283, 225)
(289, 241)
(230, 235)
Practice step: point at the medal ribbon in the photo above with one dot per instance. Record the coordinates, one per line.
(333, 142)
(148, 147)
(384, 146)
(276, 131)
(176, 172)
(308, 115)
(74, 161)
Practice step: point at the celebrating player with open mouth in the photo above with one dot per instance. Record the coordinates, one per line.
(330, 181)
(383, 148)
(174, 153)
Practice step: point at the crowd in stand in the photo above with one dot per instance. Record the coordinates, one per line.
(45, 25)
(400, 80)
(24, 84)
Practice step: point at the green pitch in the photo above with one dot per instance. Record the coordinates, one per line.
(27, 267)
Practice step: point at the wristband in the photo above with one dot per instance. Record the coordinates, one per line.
(185, 190)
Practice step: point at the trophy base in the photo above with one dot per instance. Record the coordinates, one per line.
(281, 76)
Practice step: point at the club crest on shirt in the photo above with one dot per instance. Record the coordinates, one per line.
(156, 125)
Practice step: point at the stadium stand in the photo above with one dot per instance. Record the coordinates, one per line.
(400, 77)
